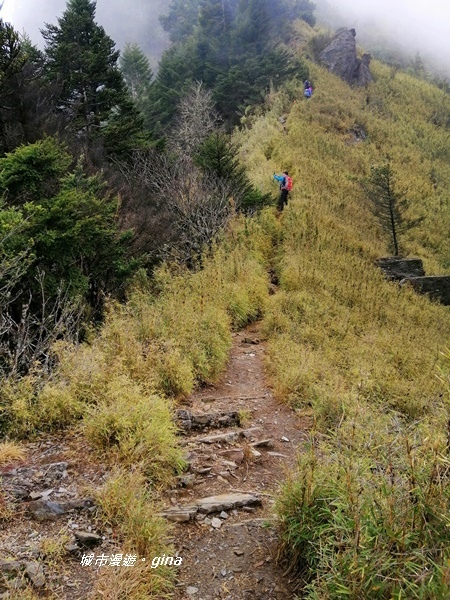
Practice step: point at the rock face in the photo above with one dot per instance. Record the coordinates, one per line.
(396, 268)
(341, 59)
(410, 271)
(436, 286)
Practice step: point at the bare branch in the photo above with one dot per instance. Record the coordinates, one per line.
(196, 119)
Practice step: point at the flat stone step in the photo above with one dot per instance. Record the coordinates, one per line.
(211, 504)
(231, 436)
(234, 398)
(188, 421)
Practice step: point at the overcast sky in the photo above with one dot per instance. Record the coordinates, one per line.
(125, 21)
(422, 25)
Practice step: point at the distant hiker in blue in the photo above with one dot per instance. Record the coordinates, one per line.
(285, 187)
(308, 89)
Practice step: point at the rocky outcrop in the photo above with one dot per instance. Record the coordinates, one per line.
(341, 59)
(437, 287)
(396, 268)
(410, 271)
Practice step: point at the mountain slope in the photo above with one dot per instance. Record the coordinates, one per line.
(365, 515)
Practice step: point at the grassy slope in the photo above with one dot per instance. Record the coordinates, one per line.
(121, 387)
(366, 516)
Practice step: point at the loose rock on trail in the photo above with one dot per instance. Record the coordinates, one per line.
(240, 443)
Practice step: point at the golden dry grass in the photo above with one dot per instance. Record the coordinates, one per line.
(365, 516)
(11, 452)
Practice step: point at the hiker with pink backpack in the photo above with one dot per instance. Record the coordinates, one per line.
(285, 187)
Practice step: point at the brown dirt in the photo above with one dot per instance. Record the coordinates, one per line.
(238, 561)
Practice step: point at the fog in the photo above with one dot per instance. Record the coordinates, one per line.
(132, 21)
(412, 25)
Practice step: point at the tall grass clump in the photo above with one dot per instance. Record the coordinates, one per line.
(366, 515)
(369, 518)
(126, 505)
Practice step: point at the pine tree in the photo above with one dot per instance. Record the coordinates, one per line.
(138, 77)
(181, 19)
(136, 71)
(26, 102)
(388, 203)
(218, 159)
(82, 57)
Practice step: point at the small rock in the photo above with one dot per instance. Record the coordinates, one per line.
(223, 572)
(35, 572)
(35, 495)
(187, 481)
(8, 566)
(87, 539)
(285, 439)
(230, 464)
(238, 552)
(234, 454)
(223, 515)
(203, 470)
(260, 443)
(277, 454)
(72, 548)
(251, 433)
(216, 523)
(45, 510)
(191, 590)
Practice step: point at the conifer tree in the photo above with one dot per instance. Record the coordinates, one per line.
(82, 57)
(389, 204)
(218, 159)
(181, 19)
(26, 101)
(138, 77)
(136, 70)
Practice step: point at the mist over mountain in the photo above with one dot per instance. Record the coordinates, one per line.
(387, 27)
(136, 21)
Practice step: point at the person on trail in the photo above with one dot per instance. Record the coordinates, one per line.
(308, 89)
(285, 187)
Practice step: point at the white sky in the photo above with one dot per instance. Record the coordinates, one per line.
(123, 20)
(422, 25)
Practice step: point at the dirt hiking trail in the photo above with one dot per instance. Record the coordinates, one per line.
(224, 527)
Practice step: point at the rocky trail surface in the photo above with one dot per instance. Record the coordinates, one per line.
(53, 523)
(240, 443)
